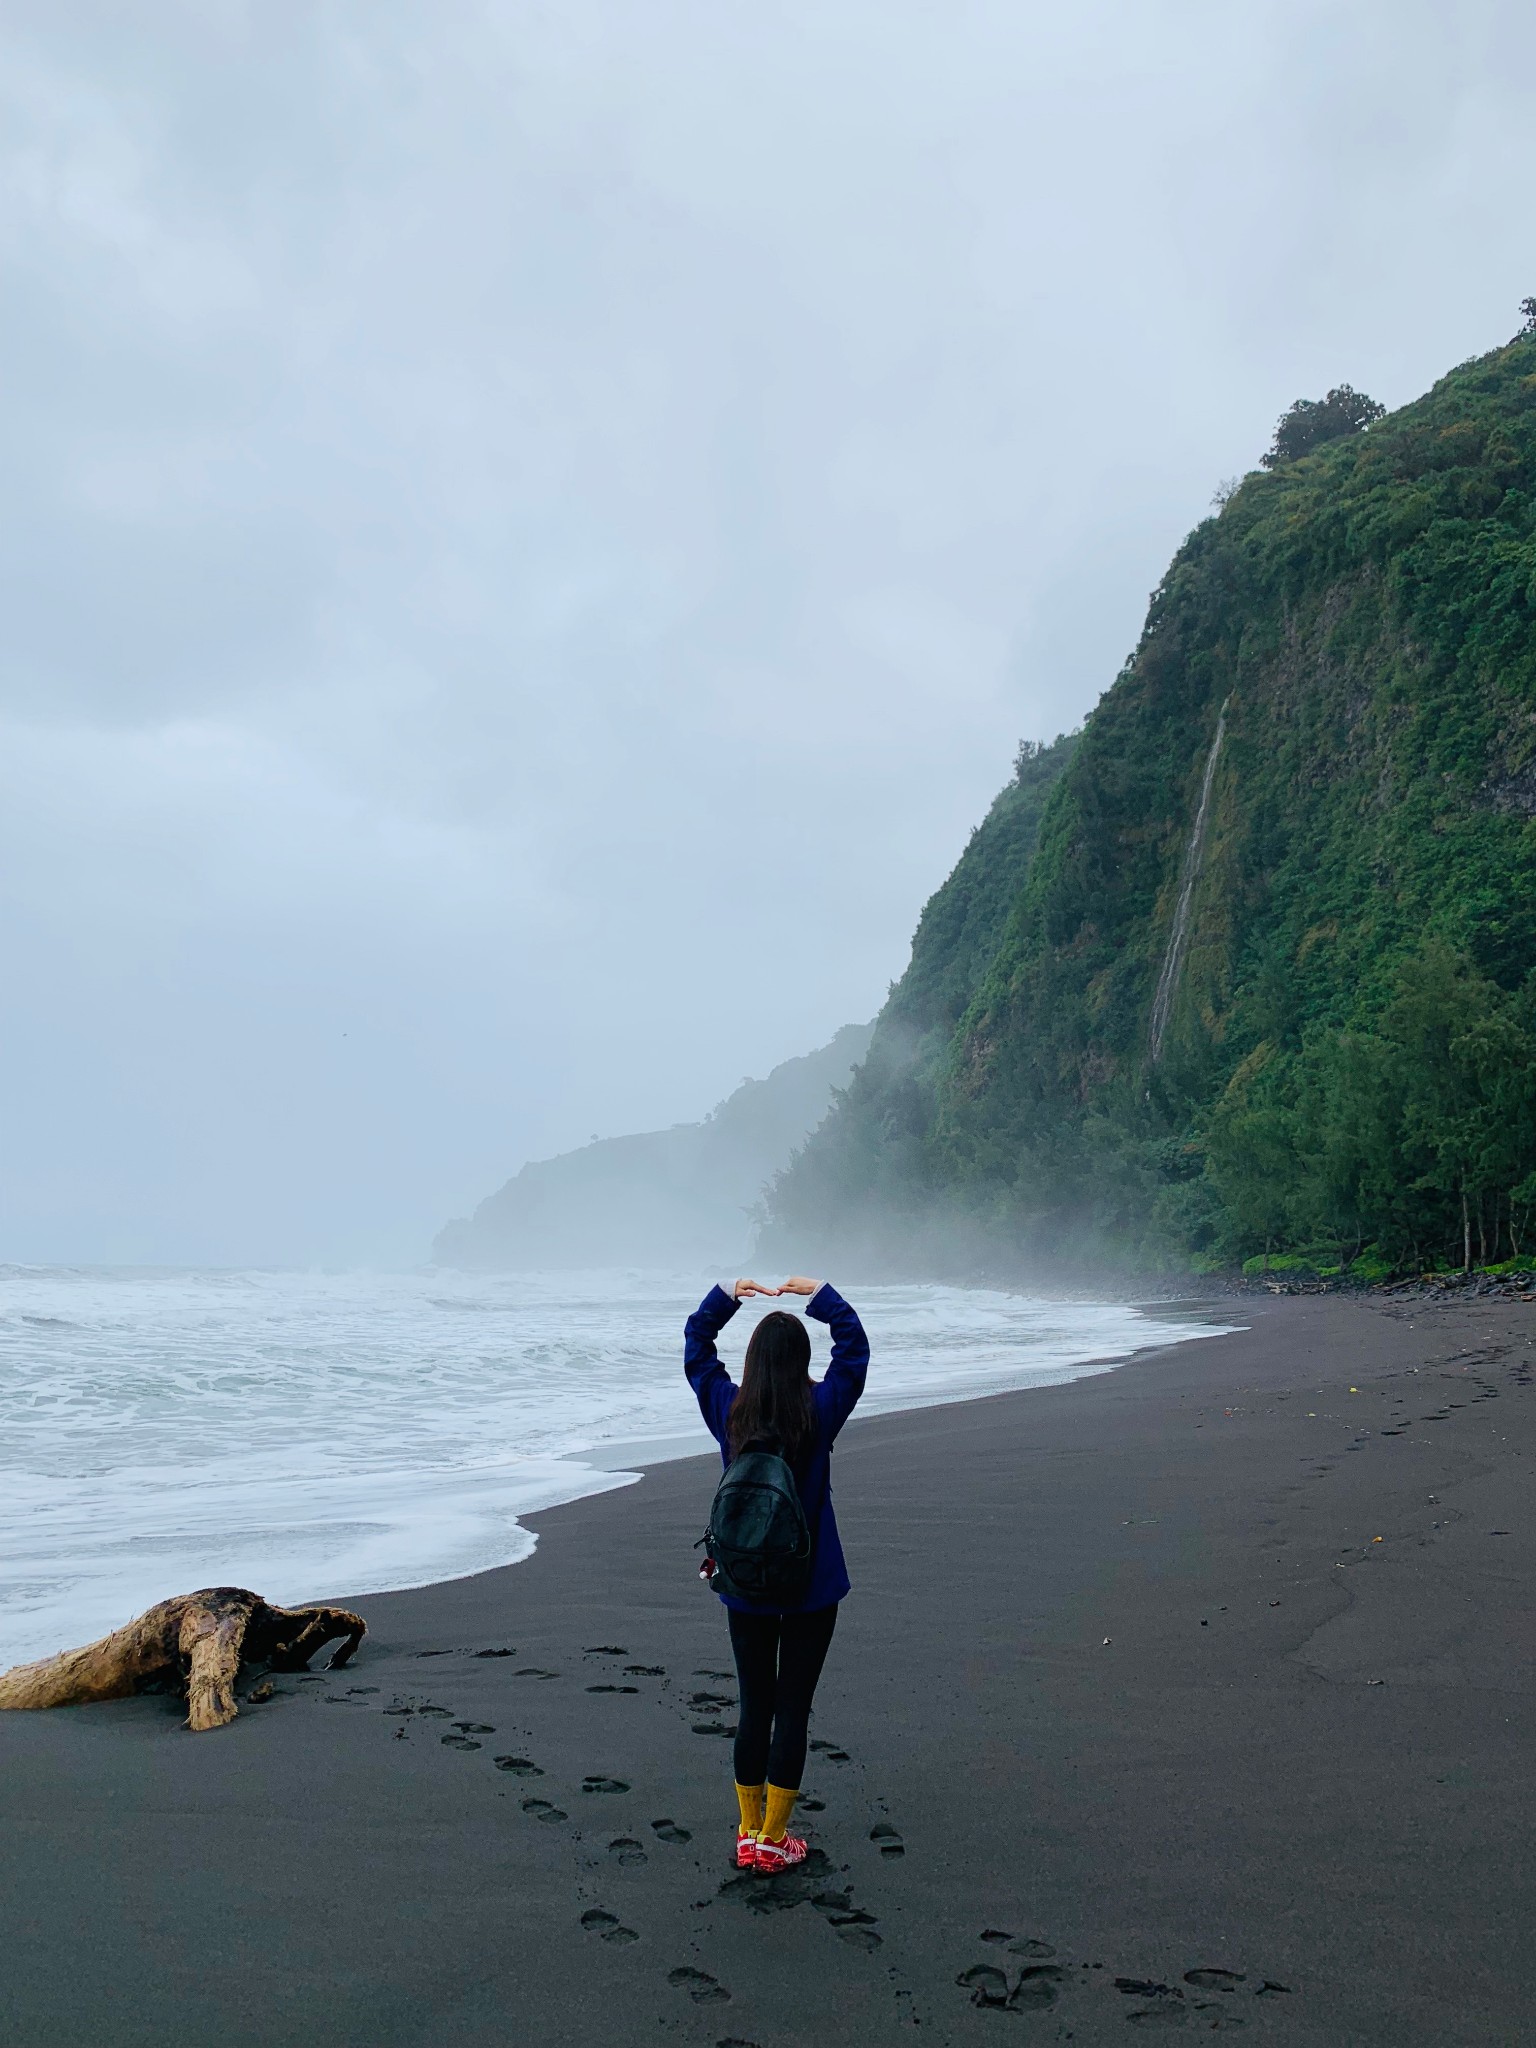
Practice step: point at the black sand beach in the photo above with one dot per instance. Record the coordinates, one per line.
(1191, 1696)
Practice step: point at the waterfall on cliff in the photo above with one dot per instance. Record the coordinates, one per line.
(1194, 853)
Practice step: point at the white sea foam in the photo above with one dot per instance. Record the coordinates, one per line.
(315, 1434)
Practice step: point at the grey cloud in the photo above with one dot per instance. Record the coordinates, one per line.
(498, 495)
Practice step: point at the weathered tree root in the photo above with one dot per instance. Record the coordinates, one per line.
(198, 1640)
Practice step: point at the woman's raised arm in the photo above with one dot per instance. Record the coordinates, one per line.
(843, 1381)
(713, 1386)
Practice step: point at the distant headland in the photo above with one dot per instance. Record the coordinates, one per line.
(660, 1198)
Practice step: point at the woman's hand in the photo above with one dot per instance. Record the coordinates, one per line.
(742, 1288)
(797, 1285)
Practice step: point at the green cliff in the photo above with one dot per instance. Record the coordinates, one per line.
(1247, 968)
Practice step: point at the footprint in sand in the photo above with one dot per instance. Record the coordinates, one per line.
(786, 1889)
(805, 1884)
(495, 1653)
(986, 1984)
(600, 1784)
(533, 1671)
(605, 1650)
(519, 1766)
(613, 1688)
(714, 1674)
(710, 1702)
(887, 1840)
(457, 1742)
(831, 1752)
(436, 1713)
(1210, 2018)
(625, 1850)
(1027, 1946)
(1168, 2008)
(608, 1926)
(714, 1727)
(856, 1937)
(1214, 1980)
(1038, 1987)
(645, 1670)
(669, 1831)
(542, 1810)
(847, 1921)
(474, 1727)
(810, 1805)
(699, 1985)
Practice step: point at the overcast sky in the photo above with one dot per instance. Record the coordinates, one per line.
(533, 531)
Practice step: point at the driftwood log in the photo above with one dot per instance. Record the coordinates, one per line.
(197, 1641)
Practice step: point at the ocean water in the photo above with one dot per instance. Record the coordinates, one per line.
(319, 1434)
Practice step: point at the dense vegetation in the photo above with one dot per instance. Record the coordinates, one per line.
(1343, 663)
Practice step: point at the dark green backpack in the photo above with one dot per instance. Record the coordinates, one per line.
(757, 1538)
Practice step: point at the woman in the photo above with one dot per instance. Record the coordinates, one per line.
(780, 1651)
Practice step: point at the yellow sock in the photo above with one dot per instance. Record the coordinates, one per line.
(750, 1799)
(781, 1804)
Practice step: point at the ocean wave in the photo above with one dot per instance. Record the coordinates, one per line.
(314, 1434)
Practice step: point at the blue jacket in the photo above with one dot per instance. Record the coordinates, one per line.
(836, 1394)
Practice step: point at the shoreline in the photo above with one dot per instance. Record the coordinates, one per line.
(632, 1459)
(409, 1496)
(1130, 1718)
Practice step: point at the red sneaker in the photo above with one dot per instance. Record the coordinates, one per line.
(783, 1855)
(746, 1850)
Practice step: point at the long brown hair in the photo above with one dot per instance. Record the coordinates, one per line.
(776, 1397)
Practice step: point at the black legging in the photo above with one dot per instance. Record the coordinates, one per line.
(778, 1661)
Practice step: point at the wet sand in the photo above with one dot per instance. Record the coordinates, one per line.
(1191, 1696)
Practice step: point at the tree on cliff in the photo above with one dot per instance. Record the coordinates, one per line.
(1311, 422)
